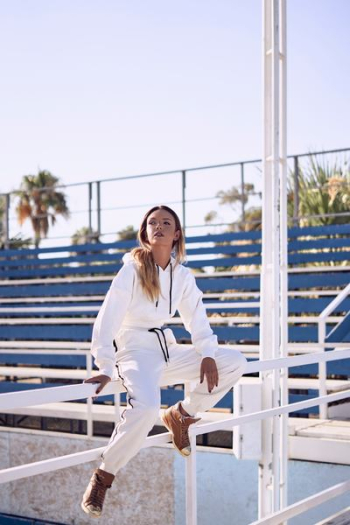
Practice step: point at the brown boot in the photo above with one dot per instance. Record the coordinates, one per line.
(178, 425)
(95, 493)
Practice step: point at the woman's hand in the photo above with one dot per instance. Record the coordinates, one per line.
(102, 379)
(210, 371)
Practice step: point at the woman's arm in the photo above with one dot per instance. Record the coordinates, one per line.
(110, 318)
(194, 317)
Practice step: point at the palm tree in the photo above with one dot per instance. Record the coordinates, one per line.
(252, 220)
(16, 243)
(85, 236)
(40, 202)
(127, 234)
(234, 196)
(324, 189)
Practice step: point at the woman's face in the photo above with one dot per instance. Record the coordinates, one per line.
(161, 229)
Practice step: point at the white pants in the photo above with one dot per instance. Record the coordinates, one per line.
(142, 368)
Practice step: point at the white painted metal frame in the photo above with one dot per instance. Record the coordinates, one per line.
(322, 320)
(88, 357)
(306, 504)
(273, 299)
(66, 393)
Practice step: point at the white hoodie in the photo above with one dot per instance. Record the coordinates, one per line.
(127, 306)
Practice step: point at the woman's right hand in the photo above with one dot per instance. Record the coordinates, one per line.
(102, 379)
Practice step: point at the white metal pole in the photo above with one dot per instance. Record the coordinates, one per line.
(191, 484)
(322, 367)
(89, 421)
(275, 79)
(266, 295)
(273, 306)
(283, 256)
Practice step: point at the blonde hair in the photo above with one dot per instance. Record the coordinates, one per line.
(143, 256)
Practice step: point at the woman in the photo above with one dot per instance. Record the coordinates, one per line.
(150, 287)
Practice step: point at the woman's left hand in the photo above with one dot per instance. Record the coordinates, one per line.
(210, 371)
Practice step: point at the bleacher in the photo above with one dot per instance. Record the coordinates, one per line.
(50, 297)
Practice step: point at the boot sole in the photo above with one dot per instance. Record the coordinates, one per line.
(164, 419)
(87, 511)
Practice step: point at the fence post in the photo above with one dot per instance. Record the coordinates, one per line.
(296, 192)
(322, 367)
(6, 222)
(90, 205)
(98, 186)
(89, 419)
(242, 192)
(191, 484)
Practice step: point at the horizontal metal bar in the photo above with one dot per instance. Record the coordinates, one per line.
(84, 390)
(300, 360)
(70, 345)
(303, 505)
(38, 351)
(53, 394)
(198, 168)
(228, 424)
(336, 302)
(49, 465)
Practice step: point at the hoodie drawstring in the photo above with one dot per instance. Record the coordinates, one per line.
(170, 289)
(157, 301)
(165, 347)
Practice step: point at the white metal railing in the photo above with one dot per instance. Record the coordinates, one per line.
(322, 321)
(228, 424)
(86, 390)
(54, 351)
(18, 347)
(306, 504)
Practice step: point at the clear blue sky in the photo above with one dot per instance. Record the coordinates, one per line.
(96, 89)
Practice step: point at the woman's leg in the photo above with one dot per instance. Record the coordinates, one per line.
(139, 367)
(185, 365)
(139, 371)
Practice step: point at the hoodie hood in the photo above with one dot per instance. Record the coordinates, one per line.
(127, 258)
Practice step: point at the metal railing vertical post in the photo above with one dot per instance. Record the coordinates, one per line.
(98, 207)
(184, 201)
(191, 484)
(296, 191)
(191, 472)
(89, 421)
(322, 367)
(6, 221)
(266, 286)
(273, 295)
(90, 205)
(242, 192)
(283, 422)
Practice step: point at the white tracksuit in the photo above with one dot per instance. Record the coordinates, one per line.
(146, 360)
